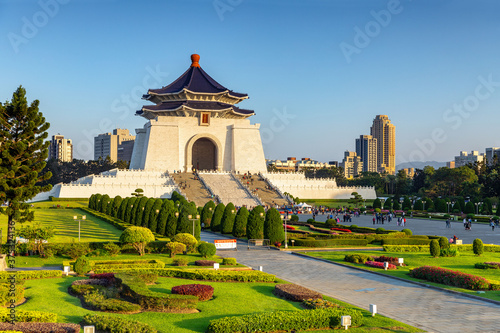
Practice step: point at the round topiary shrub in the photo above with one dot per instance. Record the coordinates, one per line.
(444, 243)
(82, 265)
(311, 220)
(175, 248)
(294, 218)
(180, 262)
(434, 248)
(207, 249)
(477, 247)
(186, 239)
(229, 261)
(380, 230)
(408, 232)
(331, 223)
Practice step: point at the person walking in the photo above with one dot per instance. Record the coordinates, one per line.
(492, 225)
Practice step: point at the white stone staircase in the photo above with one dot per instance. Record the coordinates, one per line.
(229, 189)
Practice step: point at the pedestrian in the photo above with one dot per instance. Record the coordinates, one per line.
(492, 225)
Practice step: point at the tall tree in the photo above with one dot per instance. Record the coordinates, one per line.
(227, 222)
(255, 224)
(24, 149)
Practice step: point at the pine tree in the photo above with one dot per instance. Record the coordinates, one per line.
(388, 204)
(104, 203)
(406, 204)
(255, 224)
(377, 203)
(155, 210)
(273, 227)
(129, 209)
(123, 207)
(137, 213)
(117, 201)
(147, 212)
(92, 201)
(469, 208)
(97, 203)
(240, 222)
(227, 221)
(207, 212)
(24, 149)
(217, 217)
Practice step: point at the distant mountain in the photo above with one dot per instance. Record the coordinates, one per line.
(420, 165)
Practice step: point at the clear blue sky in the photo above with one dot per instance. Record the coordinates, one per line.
(331, 66)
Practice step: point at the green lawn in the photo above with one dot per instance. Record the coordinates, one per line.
(332, 203)
(62, 203)
(464, 263)
(229, 299)
(93, 229)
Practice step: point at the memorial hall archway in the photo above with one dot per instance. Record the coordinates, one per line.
(203, 152)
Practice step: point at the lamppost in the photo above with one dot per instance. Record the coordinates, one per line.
(285, 218)
(84, 217)
(423, 203)
(477, 204)
(450, 203)
(190, 217)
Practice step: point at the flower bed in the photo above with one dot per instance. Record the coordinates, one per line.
(289, 227)
(340, 229)
(390, 260)
(202, 291)
(450, 278)
(377, 264)
(295, 292)
(204, 262)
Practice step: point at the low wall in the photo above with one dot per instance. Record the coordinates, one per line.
(305, 192)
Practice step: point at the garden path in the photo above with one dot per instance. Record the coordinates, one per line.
(429, 309)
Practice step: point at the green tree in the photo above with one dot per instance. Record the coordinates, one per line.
(469, 208)
(117, 201)
(92, 201)
(388, 204)
(207, 249)
(444, 243)
(434, 248)
(227, 222)
(477, 247)
(240, 222)
(255, 224)
(129, 209)
(356, 199)
(377, 203)
(441, 206)
(406, 204)
(147, 212)
(104, 203)
(24, 149)
(138, 237)
(184, 223)
(139, 192)
(273, 226)
(171, 226)
(138, 211)
(207, 212)
(166, 220)
(457, 207)
(487, 207)
(97, 201)
(153, 215)
(217, 217)
(419, 205)
(186, 239)
(122, 209)
(395, 203)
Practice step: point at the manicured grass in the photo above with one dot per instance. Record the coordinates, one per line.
(93, 229)
(464, 263)
(61, 204)
(332, 203)
(229, 299)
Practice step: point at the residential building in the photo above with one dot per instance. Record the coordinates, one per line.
(352, 164)
(291, 164)
(366, 148)
(464, 158)
(450, 164)
(61, 149)
(385, 133)
(410, 172)
(490, 154)
(118, 145)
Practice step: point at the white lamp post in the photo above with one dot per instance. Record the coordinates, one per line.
(79, 224)
(285, 219)
(190, 217)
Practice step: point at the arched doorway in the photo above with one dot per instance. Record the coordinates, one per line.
(204, 155)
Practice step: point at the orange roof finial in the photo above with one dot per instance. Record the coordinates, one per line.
(195, 58)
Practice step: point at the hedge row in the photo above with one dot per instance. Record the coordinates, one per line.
(99, 266)
(28, 316)
(425, 248)
(209, 275)
(450, 277)
(117, 324)
(202, 291)
(5, 294)
(486, 247)
(135, 289)
(41, 327)
(405, 241)
(30, 275)
(309, 242)
(97, 301)
(285, 321)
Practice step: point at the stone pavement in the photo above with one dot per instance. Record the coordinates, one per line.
(429, 309)
(427, 227)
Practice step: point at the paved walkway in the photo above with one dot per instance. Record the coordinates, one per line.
(425, 308)
(427, 227)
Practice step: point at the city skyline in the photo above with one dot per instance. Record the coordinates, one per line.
(315, 72)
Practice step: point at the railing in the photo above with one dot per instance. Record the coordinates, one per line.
(209, 189)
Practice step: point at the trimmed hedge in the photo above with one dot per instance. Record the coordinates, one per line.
(486, 247)
(406, 248)
(135, 289)
(308, 242)
(229, 261)
(294, 292)
(405, 241)
(209, 275)
(285, 321)
(97, 301)
(28, 316)
(5, 294)
(30, 275)
(204, 263)
(109, 266)
(450, 277)
(487, 265)
(116, 324)
(41, 327)
(357, 258)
